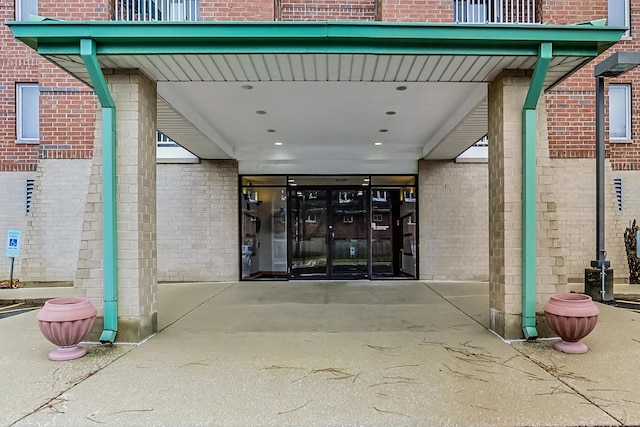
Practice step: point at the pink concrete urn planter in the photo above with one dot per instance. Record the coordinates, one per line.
(65, 322)
(572, 316)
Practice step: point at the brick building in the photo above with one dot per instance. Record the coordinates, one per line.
(326, 137)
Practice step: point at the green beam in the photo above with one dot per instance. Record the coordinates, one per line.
(529, 192)
(165, 47)
(109, 229)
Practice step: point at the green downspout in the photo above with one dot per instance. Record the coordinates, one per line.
(529, 192)
(109, 228)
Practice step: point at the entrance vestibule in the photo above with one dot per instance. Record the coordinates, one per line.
(328, 227)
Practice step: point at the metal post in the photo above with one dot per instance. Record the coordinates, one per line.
(600, 153)
(11, 273)
(601, 255)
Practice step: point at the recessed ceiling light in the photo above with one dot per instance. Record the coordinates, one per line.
(366, 179)
(277, 143)
(247, 87)
(383, 130)
(390, 113)
(401, 88)
(377, 143)
(271, 130)
(261, 112)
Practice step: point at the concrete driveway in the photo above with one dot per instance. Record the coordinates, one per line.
(395, 353)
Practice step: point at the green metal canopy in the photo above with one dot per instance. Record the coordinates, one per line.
(344, 73)
(153, 38)
(448, 65)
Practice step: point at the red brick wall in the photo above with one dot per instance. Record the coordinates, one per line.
(571, 105)
(237, 10)
(97, 10)
(326, 10)
(417, 11)
(67, 118)
(563, 12)
(67, 106)
(18, 64)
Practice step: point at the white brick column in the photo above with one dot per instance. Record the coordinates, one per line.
(506, 100)
(135, 99)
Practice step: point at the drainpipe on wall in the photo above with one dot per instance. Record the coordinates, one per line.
(109, 226)
(529, 192)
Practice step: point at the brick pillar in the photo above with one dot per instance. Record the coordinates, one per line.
(135, 99)
(506, 99)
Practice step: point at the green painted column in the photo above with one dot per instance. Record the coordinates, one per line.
(529, 117)
(109, 196)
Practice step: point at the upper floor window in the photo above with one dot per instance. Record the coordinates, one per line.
(620, 14)
(28, 112)
(619, 112)
(24, 8)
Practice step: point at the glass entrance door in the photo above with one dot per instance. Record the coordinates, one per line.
(328, 233)
(309, 251)
(348, 234)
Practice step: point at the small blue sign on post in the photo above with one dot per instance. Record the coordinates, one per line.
(13, 243)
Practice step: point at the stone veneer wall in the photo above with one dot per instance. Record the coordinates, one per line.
(454, 234)
(198, 221)
(52, 236)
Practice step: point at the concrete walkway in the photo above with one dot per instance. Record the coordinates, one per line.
(324, 354)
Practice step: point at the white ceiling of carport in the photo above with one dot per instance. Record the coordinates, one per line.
(320, 120)
(326, 109)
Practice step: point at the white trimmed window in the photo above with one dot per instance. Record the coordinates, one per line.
(619, 112)
(619, 14)
(28, 112)
(24, 8)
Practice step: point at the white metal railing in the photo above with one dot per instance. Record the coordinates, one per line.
(157, 10)
(482, 142)
(169, 151)
(495, 11)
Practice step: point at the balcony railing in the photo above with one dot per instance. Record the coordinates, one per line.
(464, 11)
(157, 10)
(495, 11)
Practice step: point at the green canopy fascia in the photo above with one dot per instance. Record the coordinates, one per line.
(150, 38)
